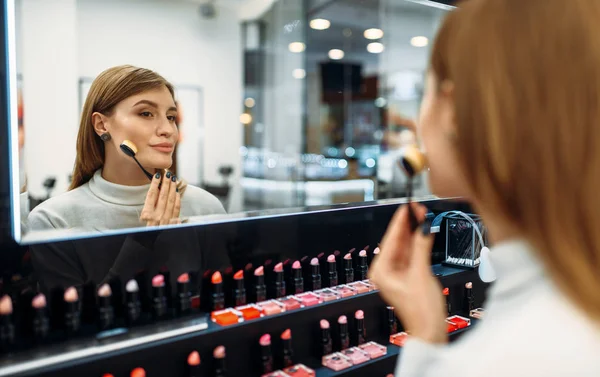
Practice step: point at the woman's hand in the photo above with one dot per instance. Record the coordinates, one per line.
(162, 204)
(402, 272)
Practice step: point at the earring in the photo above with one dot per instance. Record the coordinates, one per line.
(105, 136)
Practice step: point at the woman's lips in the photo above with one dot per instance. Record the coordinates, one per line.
(165, 148)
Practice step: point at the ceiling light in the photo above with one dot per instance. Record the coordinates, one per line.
(249, 102)
(299, 73)
(419, 41)
(297, 47)
(245, 118)
(373, 33)
(319, 24)
(375, 48)
(336, 54)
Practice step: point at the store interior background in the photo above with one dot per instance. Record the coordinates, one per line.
(285, 103)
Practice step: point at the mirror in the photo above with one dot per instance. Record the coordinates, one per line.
(255, 106)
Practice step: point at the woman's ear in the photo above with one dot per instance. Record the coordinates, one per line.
(99, 123)
(447, 94)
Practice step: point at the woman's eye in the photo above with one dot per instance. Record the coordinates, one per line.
(171, 118)
(146, 114)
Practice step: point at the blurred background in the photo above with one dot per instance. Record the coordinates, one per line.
(284, 103)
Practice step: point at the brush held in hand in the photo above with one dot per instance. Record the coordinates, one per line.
(129, 148)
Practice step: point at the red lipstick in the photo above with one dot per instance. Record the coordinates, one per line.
(159, 301)
(194, 364)
(266, 353)
(279, 281)
(288, 353)
(106, 313)
(315, 274)
(332, 267)
(348, 270)
(260, 288)
(7, 329)
(184, 296)
(219, 356)
(363, 268)
(138, 372)
(239, 291)
(72, 313)
(41, 323)
(446, 293)
(326, 344)
(218, 297)
(361, 331)
(298, 279)
(344, 337)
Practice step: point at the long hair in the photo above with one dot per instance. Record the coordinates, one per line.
(108, 89)
(527, 97)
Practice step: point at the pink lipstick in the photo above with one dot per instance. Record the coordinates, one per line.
(184, 296)
(326, 344)
(219, 356)
(133, 304)
(332, 267)
(298, 279)
(361, 331)
(363, 268)
(266, 353)
(7, 329)
(41, 324)
(159, 301)
(260, 288)
(470, 297)
(344, 337)
(348, 270)
(279, 284)
(315, 274)
(106, 313)
(72, 313)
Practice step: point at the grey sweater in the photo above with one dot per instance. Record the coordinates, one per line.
(100, 205)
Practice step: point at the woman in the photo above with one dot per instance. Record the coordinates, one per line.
(510, 122)
(109, 190)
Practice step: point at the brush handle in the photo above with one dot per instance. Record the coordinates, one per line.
(141, 167)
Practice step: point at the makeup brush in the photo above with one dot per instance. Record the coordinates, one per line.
(41, 323)
(219, 356)
(194, 364)
(129, 148)
(7, 329)
(412, 162)
(266, 353)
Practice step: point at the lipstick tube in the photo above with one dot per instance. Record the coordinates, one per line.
(470, 296)
(7, 328)
(218, 297)
(260, 288)
(446, 293)
(344, 336)
(348, 269)
(288, 352)
(133, 304)
(106, 313)
(315, 274)
(72, 313)
(40, 323)
(361, 331)
(279, 281)
(326, 343)
(184, 296)
(266, 354)
(159, 301)
(298, 279)
(363, 268)
(332, 267)
(239, 290)
(392, 323)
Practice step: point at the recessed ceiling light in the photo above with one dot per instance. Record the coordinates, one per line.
(319, 24)
(375, 48)
(336, 54)
(299, 73)
(297, 47)
(245, 118)
(419, 41)
(373, 33)
(249, 102)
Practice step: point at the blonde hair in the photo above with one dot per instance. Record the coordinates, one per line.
(526, 78)
(108, 89)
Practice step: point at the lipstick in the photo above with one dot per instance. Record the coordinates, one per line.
(298, 279)
(326, 344)
(239, 290)
(106, 313)
(184, 296)
(218, 297)
(333, 275)
(279, 282)
(363, 268)
(72, 313)
(41, 323)
(219, 356)
(260, 288)
(361, 331)
(344, 337)
(348, 270)
(138, 372)
(315, 274)
(288, 353)
(133, 304)
(194, 364)
(159, 301)
(7, 329)
(266, 353)
(446, 293)
(392, 323)
(470, 296)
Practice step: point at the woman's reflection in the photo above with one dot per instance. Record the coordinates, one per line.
(108, 189)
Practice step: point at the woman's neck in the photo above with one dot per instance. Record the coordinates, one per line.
(124, 171)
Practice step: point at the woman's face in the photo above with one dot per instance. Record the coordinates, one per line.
(437, 130)
(148, 120)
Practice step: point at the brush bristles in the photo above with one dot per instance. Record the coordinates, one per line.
(129, 148)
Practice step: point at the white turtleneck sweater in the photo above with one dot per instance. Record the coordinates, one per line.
(529, 330)
(100, 205)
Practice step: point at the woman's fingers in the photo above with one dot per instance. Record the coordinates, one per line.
(421, 250)
(167, 215)
(163, 196)
(151, 197)
(177, 208)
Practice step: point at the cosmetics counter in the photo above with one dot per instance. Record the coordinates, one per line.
(280, 295)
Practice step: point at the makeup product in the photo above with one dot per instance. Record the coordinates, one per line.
(260, 289)
(451, 326)
(360, 287)
(391, 321)
(336, 361)
(270, 307)
(332, 268)
(446, 293)
(376, 252)
(278, 281)
(239, 290)
(461, 322)
(184, 296)
(326, 343)
(344, 336)
(399, 339)
(363, 262)
(193, 361)
(348, 269)
(249, 311)
(344, 291)
(159, 301)
(225, 317)
(164, 271)
(133, 304)
(478, 313)
(290, 303)
(361, 331)
(277, 373)
(327, 295)
(315, 274)
(309, 299)
(7, 328)
(298, 279)
(219, 360)
(138, 372)
(218, 297)
(470, 296)
(374, 350)
(107, 375)
(299, 370)
(356, 355)
(106, 313)
(288, 353)
(41, 323)
(130, 149)
(266, 357)
(72, 313)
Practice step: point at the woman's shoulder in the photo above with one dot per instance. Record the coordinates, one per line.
(196, 201)
(56, 211)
